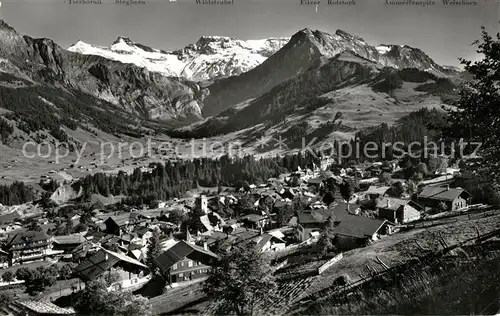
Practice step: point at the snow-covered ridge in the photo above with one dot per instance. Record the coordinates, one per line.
(122, 51)
(209, 58)
(383, 49)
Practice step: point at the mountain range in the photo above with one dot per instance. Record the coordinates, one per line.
(209, 58)
(222, 84)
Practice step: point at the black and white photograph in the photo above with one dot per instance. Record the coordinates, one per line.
(249, 157)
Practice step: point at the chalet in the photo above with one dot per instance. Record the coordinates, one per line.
(350, 230)
(268, 242)
(353, 231)
(255, 221)
(115, 224)
(230, 236)
(28, 246)
(398, 211)
(158, 204)
(4, 259)
(185, 261)
(309, 221)
(104, 261)
(316, 183)
(68, 243)
(436, 197)
(375, 192)
(287, 193)
(374, 170)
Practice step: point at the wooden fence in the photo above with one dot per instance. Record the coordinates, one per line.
(330, 262)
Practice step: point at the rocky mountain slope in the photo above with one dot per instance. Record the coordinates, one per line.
(44, 87)
(125, 87)
(210, 57)
(318, 76)
(305, 50)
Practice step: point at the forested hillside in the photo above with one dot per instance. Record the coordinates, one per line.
(173, 179)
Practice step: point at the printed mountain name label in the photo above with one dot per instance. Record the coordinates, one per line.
(309, 2)
(83, 1)
(215, 2)
(459, 2)
(341, 2)
(130, 2)
(421, 3)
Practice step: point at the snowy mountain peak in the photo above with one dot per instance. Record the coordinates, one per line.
(210, 57)
(122, 39)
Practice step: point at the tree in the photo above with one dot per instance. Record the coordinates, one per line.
(23, 274)
(153, 251)
(41, 278)
(244, 205)
(69, 226)
(325, 241)
(437, 164)
(97, 299)
(241, 278)
(417, 177)
(80, 227)
(284, 214)
(111, 278)
(177, 217)
(8, 276)
(328, 198)
(346, 190)
(422, 169)
(397, 189)
(34, 226)
(477, 111)
(6, 298)
(385, 178)
(442, 207)
(65, 271)
(411, 187)
(491, 195)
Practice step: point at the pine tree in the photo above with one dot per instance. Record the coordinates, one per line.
(477, 117)
(240, 280)
(325, 241)
(153, 251)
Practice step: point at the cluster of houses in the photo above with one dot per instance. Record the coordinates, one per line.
(119, 241)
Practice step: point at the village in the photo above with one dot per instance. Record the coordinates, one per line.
(362, 204)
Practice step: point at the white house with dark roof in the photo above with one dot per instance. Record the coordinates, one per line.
(184, 261)
(268, 242)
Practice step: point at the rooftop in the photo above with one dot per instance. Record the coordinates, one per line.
(442, 193)
(45, 308)
(27, 236)
(390, 203)
(377, 190)
(181, 250)
(100, 262)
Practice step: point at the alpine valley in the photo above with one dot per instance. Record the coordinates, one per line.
(329, 85)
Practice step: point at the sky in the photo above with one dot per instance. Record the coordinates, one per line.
(445, 33)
